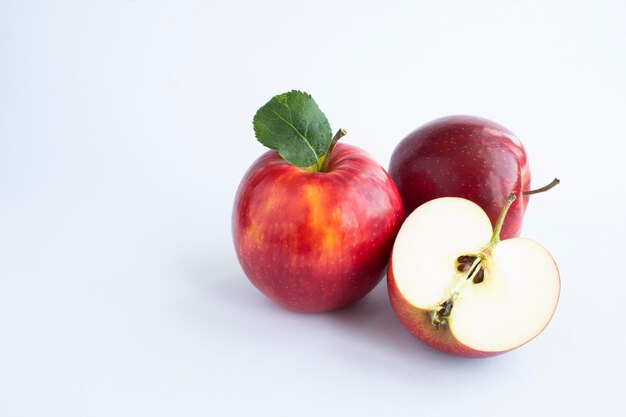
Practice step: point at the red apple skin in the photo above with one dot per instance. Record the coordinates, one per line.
(468, 157)
(312, 241)
(417, 322)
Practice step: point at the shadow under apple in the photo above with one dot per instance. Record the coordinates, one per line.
(367, 332)
(387, 343)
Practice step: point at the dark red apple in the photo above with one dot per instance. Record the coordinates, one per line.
(463, 156)
(316, 241)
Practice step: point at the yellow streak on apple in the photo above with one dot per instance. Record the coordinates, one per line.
(321, 219)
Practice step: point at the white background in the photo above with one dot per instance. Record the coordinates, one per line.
(125, 128)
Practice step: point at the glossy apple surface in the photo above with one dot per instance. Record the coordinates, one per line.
(463, 156)
(316, 241)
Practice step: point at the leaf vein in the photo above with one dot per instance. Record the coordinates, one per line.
(297, 131)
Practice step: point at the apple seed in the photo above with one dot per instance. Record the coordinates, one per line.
(466, 259)
(479, 277)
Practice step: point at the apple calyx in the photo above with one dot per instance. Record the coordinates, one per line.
(476, 265)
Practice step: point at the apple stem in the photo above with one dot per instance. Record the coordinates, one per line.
(340, 133)
(495, 238)
(553, 184)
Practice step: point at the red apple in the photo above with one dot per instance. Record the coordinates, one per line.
(316, 241)
(463, 156)
(457, 287)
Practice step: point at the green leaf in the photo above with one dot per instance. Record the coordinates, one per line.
(294, 125)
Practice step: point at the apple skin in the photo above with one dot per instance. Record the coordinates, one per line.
(312, 241)
(463, 156)
(417, 322)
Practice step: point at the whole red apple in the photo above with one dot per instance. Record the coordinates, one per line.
(463, 156)
(316, 241)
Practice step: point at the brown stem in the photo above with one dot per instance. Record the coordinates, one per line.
(340, 133)
(553, 184)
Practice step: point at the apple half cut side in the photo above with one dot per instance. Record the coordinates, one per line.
(456, 286)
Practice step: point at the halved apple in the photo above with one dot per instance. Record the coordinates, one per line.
(454, 285)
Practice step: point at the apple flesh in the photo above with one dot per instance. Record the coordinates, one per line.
(459, 289)
(316, 241)
(463, 156)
